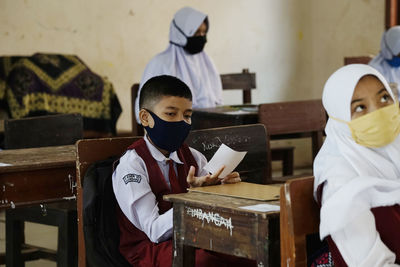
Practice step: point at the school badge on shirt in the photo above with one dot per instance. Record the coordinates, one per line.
(132, 178)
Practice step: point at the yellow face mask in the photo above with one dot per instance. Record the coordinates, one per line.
(376, 129)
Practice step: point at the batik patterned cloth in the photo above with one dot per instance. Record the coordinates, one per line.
(45, 84)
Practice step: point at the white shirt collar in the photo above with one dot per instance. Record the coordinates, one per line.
(157, 155)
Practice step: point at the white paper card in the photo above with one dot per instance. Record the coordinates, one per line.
(262, 207)
(4, 164)
(224, 156)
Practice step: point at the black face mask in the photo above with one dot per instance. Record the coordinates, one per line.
(195, 44)
(168, 135)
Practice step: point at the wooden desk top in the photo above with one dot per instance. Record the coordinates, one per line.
(224, 202)
(37, 175)
(37, 158)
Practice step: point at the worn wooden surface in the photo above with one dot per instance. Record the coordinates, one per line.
(37, 175)
(250, 138)
(88, 152)
(220, 202)
(37, 158)
(217, 223)
(241, 190)
(299, 217)
(286, 119)
(292, 117)
(357, 60)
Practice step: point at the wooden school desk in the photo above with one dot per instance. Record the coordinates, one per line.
(37, 175)
(234, 231)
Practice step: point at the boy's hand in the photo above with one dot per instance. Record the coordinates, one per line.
(231, 178)
(211, 179)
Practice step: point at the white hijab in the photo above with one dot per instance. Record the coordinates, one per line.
(197, 71)
(390, 46)
(356, 178)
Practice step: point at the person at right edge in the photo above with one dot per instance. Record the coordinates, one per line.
(357, 170)
(387, 62)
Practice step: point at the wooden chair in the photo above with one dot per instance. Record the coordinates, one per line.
(357, 60)
(251, 138)
(285, 120)
(299, 218)
(52, 130)
(245, 81)
(37, 132)
(88, 152)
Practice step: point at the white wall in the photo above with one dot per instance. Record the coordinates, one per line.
(343, 28)
(292, 45)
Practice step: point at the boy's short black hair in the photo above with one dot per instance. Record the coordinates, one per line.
(159, 86)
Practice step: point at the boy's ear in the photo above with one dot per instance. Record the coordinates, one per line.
(144, 117)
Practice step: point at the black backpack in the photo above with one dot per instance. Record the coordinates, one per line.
(100, 224)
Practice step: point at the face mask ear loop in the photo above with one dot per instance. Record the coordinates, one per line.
(339, 120)
(180, 30)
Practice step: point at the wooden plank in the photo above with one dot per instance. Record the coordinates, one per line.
(37, 175)
(293, 117)
(40, 131)
(241, 81)
(224, 202)
(358, 59)
(37, 158)
(37, 186)
(88, 152)
(252, 138)
(299, 217)
(244, 81)
(391, 13)
(241, 190)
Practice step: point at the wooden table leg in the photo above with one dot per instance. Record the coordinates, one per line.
(268, 247)
(182, 255)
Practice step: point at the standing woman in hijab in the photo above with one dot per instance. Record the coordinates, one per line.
(184, 58)
(387, 61)
(357, 171)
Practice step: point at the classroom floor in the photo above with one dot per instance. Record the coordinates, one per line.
(46, 236)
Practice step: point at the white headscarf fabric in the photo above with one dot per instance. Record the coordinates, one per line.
(197, 70)
(356, 178)
(390, 46)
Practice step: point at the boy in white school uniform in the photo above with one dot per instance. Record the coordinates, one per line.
(159, 164)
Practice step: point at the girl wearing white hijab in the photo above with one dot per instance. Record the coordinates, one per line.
(387, 61)
(184, 58)
(357, 171)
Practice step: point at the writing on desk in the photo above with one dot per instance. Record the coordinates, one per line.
(229, 140)
(210, 217)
